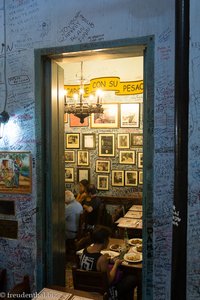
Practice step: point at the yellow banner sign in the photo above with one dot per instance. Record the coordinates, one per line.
(108, 84)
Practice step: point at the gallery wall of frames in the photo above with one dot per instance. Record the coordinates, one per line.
(107, 149)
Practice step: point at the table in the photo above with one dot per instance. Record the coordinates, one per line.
(62, 293)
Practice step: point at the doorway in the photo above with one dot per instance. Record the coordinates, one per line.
(50, 131)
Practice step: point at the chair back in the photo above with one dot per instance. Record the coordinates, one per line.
(21, 290)
(90, 281)
(82, 225)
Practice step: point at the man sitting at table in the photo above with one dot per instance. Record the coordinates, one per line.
(73, 209)
(93, 260)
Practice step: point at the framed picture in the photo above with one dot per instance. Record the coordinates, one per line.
(131, 178)
(15, 172)
(102, 166)
(109, 118)
(82, 158)
(89, 141)
(69, 156)
(72, 140)
(75, 121)
(123, 141)
(69, 174)
(140, 159)
(136, 140)
(102, 182)
(140, 177)
(65, 118)
(83, 173)
(106, 144)
(130, 115)
(117, 178)
(127, 157)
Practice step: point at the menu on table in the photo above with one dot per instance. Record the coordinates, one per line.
(133, 214)
(136, 207)
(129, 223)
(50, 294)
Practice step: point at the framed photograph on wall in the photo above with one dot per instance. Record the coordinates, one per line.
(109, 118)
(102, 166)
(140, 177)
(106, 144)
(75, 121)
(102, 182)
(140, 160)
(123, 141)
(69, 174)
(127, 157)
(15, 172)
(65, 118)
(88, 140)
(130, 115)
(83, 173)
(69, 156)
(117, 178)
(131, 178)
(72, 140)
(136, 140)
(82, 158)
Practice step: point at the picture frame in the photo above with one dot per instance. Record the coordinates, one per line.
(83, 173)
(15, 172)
(136, 140)
(102, 166)
(127, 157)
(117, 178)
(75, 121)
(82, 158)
(123, 141)
(130, 115)
(69, 174)
(106, 144)
(102, 182)
(69, 156)
(65, 117)
(88, 140)
(140, 177)
(108, 119)
(72, 140)
(131, 178)
(140, 160)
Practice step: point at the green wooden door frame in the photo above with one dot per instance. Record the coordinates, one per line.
(45, 273)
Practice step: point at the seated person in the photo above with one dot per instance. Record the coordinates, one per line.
(83, 187)
(73, 209)
(91, 206)
(93, 260)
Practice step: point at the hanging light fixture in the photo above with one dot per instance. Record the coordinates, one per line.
(4, 116)
(83, 109)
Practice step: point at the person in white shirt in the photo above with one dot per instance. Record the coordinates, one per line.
(73, 209)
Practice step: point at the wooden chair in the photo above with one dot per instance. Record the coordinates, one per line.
(21, 290)
(90, 281)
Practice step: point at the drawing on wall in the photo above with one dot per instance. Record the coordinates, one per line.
(15, 172)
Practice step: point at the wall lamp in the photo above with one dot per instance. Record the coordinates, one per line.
(4, 117)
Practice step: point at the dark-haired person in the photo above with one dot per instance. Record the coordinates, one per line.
(91, 205)
(83, 190)
(93, 260)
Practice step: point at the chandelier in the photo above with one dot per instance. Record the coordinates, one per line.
(83, 109)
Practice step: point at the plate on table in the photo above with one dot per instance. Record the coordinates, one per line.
(115, 247)
(112, 254)
(133, 257)
(135, 242)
